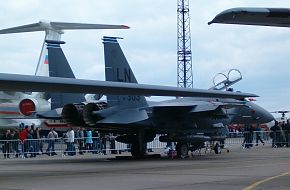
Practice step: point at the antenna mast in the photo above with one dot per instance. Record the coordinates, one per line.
(184, 63)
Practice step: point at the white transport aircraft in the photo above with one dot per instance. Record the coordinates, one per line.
(16, 107)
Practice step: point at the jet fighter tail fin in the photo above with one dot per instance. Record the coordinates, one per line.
(59, 67)
(117, 69)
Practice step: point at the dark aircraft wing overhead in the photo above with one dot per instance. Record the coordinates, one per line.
(14, 82)
(279, 17)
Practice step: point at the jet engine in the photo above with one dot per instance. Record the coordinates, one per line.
(28, 106)
(73, 114)
(89, 115)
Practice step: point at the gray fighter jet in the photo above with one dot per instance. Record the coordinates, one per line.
(188, 121)
(191, 121)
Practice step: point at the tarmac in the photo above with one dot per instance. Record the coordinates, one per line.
(260, 167)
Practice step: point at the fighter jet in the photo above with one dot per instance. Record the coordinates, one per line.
(191, 121)
(188, 121)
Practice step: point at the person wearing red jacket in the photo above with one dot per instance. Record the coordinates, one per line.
(23, 136)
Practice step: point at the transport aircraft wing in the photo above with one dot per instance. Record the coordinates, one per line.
(15, 82)
(38, 101)
(53, 31)
(58, 27)
(279, 17)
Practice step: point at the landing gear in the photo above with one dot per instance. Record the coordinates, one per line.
(217, 148)
(137, 150)
(182, 150)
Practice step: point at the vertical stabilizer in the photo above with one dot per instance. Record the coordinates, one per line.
(59, 67)
(117, 69)
(42, 65)
(53, 31)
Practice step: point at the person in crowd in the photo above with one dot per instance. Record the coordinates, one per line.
(2, 141)
(287, 132)
(96, 142)
(258, 135)
(280, 135)
(6, 138)
(248, 136)
(70, 141)
(15, 142)
(112, 144)
(103, 143)
(89, 140)
(52, 136)
(273, 134)
(81, 140)
(65, 140)
(37, 141)
(32, 142)
(23, 138)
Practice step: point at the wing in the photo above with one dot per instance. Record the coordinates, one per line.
(43, 25)
(13, 82)
(279, 17)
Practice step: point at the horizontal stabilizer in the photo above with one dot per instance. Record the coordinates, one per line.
(53, 114)
(279, 17)
(58, 26)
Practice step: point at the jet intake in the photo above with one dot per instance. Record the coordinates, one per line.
(91, 118)
(73, 114)
(27, 107)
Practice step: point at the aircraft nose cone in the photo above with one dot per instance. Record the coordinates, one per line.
(260, 114)
(263, 116)
(268, 117)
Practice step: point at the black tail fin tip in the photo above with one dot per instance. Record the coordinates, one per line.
(109, 39)
(50, 42)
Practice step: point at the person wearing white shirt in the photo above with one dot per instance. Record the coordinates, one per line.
(70, 142)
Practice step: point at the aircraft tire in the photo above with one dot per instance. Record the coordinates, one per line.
(135, 150)
(182, 150)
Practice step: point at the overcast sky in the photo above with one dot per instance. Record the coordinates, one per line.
(262, 54)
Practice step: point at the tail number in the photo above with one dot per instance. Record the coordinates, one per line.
(133, 98)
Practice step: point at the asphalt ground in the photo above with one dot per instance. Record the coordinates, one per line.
(261, 167)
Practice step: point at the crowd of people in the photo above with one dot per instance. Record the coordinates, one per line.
(252, 132)
(29, 142)
(280, 134)
(28, 137)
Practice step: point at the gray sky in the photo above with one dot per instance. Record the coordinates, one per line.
(260, 53)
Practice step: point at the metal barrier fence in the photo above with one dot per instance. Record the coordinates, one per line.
(102, 146)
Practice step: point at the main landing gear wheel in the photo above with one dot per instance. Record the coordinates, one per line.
(182, 150)
(138, 151)
(217, 148)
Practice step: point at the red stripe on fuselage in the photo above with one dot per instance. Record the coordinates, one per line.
(9, 112)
